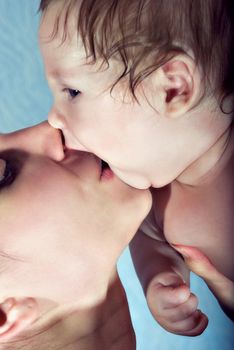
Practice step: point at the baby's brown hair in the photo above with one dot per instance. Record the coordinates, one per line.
(145, 34)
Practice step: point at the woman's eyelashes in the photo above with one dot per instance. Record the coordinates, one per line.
(11, 164)
(2, 167)
(8, 176)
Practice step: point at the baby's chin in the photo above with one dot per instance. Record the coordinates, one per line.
(134, 180)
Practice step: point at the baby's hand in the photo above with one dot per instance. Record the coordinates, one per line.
(221, 286)
(174, 306)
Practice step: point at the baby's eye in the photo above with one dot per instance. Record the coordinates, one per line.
(73, 93)
(8, 176)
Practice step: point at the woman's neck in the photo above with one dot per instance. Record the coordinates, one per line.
(69, 327)
(64, 326)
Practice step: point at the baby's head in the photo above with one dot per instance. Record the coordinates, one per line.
(144, 35)
(124, 73)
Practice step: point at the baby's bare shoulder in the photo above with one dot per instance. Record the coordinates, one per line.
(202, 215)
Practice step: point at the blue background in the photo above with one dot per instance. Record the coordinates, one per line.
(25, 100)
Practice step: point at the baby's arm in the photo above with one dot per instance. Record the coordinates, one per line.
(165, 280)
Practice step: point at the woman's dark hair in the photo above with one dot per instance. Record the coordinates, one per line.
(145, 34)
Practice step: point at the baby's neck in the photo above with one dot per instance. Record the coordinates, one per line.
(210, 161)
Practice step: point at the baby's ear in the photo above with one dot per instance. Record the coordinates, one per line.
(16, 315)
(181, 83)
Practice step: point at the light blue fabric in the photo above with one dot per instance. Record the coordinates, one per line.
(25, 100)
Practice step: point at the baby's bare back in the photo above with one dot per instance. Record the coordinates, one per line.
(202, 216)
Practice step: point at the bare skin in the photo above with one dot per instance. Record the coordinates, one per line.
(59, 284)
(96, 328)
(181, 148)
(190, 219)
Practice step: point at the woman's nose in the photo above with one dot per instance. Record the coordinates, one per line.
(41, 139)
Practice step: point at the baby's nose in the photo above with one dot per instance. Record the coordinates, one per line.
(55, 119)
(41, 139)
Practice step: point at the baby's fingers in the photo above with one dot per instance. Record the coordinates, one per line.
(194, 325)
(161, 297)
(183, 311)
(175, 309)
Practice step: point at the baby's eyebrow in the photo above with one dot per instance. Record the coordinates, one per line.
(72, 70)
(62, 76)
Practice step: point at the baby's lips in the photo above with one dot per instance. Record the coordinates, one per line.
(106, 172)
(72, 142)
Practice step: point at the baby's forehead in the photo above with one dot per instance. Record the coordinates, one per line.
(59, 21)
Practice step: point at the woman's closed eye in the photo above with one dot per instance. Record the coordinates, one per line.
(11, 163)
(8, 175)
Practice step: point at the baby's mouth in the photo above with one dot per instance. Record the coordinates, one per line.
(106, 171)
(63, 140)
(104, 165)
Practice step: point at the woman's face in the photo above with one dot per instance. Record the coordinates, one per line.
(63, 222)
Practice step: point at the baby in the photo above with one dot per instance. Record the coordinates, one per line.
(148, 87)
